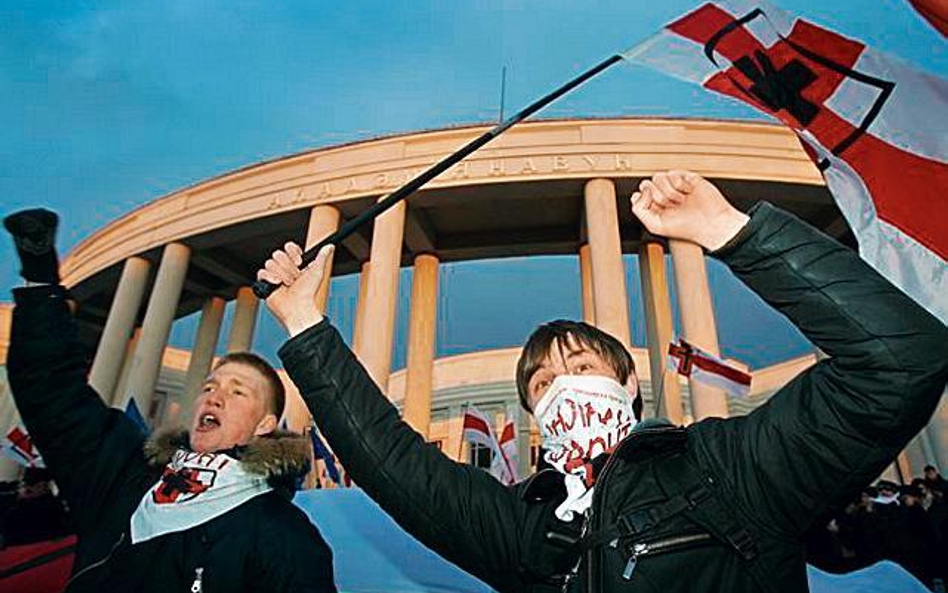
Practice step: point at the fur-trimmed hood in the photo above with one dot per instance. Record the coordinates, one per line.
(282, 457)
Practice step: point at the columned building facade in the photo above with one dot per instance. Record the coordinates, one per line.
(544, 188)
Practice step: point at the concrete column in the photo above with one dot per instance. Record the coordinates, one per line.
(924, 439)
(323, 221)
(915, 458)
(202, 352)
(244, 322)
(938, 434)
(360, 306)
(904, 468)
(454, 444)
(377, 328)
(123, 314)
(162, 305)
(659, 326)
(697, 321)
(422, 326)
(585, 274)
(611, 301)
(121, 387)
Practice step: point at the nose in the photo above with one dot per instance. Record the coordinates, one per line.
(214, 397)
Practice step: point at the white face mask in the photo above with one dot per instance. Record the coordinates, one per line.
(581, 417)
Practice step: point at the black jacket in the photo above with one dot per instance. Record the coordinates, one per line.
(818, 441)
(98, 458)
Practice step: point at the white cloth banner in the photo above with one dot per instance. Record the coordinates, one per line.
(195, 488)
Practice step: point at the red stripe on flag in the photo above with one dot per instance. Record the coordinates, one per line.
(891, 175)
(702, 24)
(894, 177)
(507, 434)
(474, 423)
(723, 370)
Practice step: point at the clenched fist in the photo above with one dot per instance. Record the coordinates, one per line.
(684, 205)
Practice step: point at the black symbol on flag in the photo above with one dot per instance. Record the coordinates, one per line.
(780, 89)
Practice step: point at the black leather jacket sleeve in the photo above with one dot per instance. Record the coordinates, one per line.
(86, 445)
(459, 511)
(835, 427)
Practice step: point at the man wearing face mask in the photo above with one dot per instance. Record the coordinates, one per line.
(721, 505)
(203, 510)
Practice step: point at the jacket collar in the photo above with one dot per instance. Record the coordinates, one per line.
(650, 437)
(280, 456)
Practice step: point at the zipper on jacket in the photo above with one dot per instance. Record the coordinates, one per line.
(587, 524)
(96, 564)
(197, 586)
(597, 495)
(643, 549)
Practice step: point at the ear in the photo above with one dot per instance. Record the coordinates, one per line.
(632, 387)
(632, 384)
(266, 425)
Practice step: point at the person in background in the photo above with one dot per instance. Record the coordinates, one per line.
(203, 510)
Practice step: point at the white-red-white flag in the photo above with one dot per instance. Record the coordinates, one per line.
(18, 445)
(690, 361)
(876, 127)
(478, 429)
(510, 451)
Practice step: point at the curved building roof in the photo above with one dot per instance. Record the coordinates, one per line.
(519, 195)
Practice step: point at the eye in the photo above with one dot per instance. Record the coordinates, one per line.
(584, 367)
(541, 386)
(207, 388)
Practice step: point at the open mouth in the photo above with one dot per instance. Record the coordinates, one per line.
(207, 422)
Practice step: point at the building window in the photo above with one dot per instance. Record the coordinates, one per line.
(480, 456)
(534, 455)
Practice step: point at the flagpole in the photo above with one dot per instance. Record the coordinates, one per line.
(461, 440)
(263, 289)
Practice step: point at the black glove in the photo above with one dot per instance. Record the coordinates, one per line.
(34, 233)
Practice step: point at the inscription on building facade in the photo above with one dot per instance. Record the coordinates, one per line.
(474, 170)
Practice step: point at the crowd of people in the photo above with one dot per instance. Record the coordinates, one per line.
(906, 524)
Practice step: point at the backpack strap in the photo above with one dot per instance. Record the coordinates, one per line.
(639, 522)
(714, 513)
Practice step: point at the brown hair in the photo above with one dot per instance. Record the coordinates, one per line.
(559, 333)
(278, 401)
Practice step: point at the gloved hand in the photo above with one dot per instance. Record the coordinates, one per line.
(34, 233)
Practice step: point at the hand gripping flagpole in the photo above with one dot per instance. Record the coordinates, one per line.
(263, 289)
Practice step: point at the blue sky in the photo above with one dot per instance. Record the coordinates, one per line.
(105, 106)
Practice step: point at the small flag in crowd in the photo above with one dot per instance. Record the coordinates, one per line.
(875, 126)
(510, 450)
(699, 365)
(321, 451)
(477, 429)
(135, 415)
(18, 446)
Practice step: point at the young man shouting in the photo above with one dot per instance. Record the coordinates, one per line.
(721, 505)
(204, 511)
